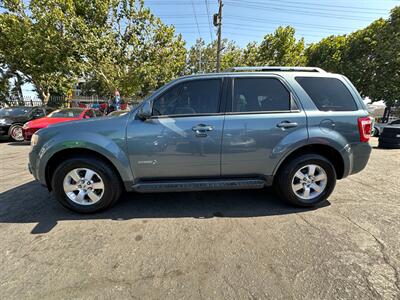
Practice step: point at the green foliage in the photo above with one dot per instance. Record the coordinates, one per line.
(369, 57)
(118, 44)
(281, 49)
(121, 45)
(202, 58)
(4, 85)
(327, 54)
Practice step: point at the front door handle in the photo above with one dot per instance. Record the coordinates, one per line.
(287, 124)
(201, 129)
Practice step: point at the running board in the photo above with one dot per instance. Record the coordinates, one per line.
(198, 185)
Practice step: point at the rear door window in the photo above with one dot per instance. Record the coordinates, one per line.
(260, 94)
(328, 94)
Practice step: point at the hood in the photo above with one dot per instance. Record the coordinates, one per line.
(93, 125)
(44, 122)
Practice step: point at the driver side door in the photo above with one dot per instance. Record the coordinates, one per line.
(182, 138)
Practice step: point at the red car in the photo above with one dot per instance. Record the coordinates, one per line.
(57, 116)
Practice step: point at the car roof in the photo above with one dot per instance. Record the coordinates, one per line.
(262, 73)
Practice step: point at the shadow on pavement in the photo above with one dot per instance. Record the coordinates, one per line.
(19, 143)
(32, 203)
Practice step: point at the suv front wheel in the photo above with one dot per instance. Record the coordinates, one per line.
(306, 180)
(85, 184)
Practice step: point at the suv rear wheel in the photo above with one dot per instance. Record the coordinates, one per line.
(85, 184)
(306, 180)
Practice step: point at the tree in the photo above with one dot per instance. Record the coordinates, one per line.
(327, 54)
(281, 48)
(133, 51)
(118, 44)
(368, 57)
(4, 85)
(34, 43)
(202, 58)
(251, 55)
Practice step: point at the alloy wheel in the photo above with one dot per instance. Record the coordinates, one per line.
(16, 133)
(83, 186)
(309, 182)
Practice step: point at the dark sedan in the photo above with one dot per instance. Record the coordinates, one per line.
(378, 127)
(13, 118)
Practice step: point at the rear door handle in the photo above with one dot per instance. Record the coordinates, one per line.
(287, 124)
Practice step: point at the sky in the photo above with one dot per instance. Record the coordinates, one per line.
(244, 21)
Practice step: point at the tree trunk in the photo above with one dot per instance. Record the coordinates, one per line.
(45, 97)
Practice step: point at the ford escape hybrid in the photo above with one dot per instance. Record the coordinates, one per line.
(299, 129)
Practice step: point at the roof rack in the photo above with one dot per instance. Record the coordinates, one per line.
(275, 68)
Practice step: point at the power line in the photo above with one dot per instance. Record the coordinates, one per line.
(298, 11)
(195, 18)
(285, 3)
(209, 21)
(198, 29)
(332, 6)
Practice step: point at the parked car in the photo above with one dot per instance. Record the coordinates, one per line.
(390, 136)
(57, 116)
(13, 118)
(298, 129)
(378, 127)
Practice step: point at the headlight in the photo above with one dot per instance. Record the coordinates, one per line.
(26, 125)
(34, 140)
(2, 121)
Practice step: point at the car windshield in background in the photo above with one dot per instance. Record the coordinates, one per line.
(16, 111)
(66, 113)
(118, 113)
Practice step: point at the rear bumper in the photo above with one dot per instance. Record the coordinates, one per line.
(360, 153)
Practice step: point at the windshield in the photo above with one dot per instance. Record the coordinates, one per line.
(66, 113)
(16, 111)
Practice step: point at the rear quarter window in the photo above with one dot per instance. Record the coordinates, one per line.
(328, 94)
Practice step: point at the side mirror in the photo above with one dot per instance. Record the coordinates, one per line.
(144, 112)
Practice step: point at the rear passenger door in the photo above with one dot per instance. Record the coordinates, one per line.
(263, 120)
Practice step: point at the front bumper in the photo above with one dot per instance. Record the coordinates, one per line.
(33, 166)
(27, 133)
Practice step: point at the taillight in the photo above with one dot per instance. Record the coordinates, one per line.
(365, 127)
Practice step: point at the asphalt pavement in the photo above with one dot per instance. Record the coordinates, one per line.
(205, 245)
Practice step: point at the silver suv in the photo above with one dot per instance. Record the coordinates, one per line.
(299, 129)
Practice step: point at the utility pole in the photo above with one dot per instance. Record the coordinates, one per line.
(218, 22)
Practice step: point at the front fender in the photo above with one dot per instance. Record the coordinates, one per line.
(112, 149)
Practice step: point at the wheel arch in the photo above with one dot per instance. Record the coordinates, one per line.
(329, 152)
(64, 154)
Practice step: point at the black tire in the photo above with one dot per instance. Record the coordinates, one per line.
(376, 132)
(12, 133)
(385, 145)
(112, 184)
(389, 140)
(389, 132)
(286, 173)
